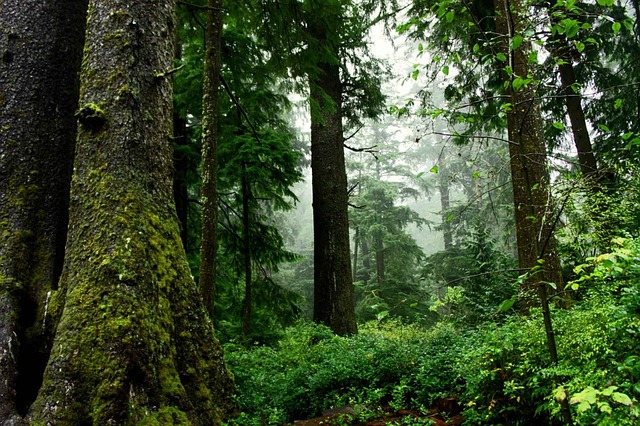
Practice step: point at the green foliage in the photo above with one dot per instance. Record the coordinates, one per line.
(468, 280)
(312, 369)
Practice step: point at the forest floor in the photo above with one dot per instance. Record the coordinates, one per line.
(351, 415)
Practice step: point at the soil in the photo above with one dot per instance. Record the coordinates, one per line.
(447, 413)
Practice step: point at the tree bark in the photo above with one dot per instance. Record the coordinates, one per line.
(333, 285)
(573, 100)
(180, 179)
(246, 242)
(212, 63)
(133, 343)
(528, 160)
(38, 98)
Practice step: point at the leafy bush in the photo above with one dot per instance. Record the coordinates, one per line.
(312, 370)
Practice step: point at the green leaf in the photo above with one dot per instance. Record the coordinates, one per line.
(420, 47)
(475, 175)
(415, 74)
(617, 104)
(605, 3)
(621, 398)
(476, 48)
(419, 175)
(558, 125)
(449, 17)
(516, 42)
(604, 128)
(616, 27)
(445, 70)
(579, 46)
(506, 305)
(501, 57)
(608, 391)
(517, 83)
(435, 169)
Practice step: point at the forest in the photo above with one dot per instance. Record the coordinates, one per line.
(364, 212)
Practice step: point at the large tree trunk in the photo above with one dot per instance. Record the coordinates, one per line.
(213, 37)
(38, 98)
(528, 159)
(333, 285)
(133, 342)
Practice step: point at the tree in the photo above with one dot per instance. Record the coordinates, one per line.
(38, 97)
(132, 341)
(212, 64)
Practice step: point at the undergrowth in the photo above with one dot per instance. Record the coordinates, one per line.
(500, 371)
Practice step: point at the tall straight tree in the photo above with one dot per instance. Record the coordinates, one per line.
(133, 344)
(333, 284)
(528, 158)
(38, 97)
(212, 63)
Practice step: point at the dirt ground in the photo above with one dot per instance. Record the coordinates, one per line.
(446, 414)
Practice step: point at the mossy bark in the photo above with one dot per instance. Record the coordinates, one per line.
(534, 214)
(212, 64)
(38, 98)
(133, 344)
(333, 285)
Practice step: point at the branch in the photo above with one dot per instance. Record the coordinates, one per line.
(197, 6)
(369, 150)
(242, 111)
(353, 134)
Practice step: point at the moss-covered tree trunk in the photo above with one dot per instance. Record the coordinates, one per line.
(528, 159)
(133, 344)
(38, 99)
(212, 63)
(333, 285)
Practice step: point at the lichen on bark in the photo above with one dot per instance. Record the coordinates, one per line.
(133, 344)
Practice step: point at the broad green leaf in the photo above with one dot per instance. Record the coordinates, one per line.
(415, 74)
(449, 17)
(616, 27)
(517, 83)
(605, 3)
(579, 46)
(604, 128)
(501, 57)
(608, 391)
(419, 175)
(560, 394)
(435, 169)
(516, 42)
(617, 104)
(506, 305)
(445, 70)
(621, 398)
(558, 125)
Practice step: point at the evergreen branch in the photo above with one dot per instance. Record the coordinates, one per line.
(369, 150)
(353, 134)
(197, 6)
(236, 102)
(170, 72)
(486, 273)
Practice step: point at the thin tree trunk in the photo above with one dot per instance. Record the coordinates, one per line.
(379, 246)
(445, 204)
(356, 243)
(180, 188)
(212, 63)
(573, 100)
(246, 237)
(38, 99)
(133, 344)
